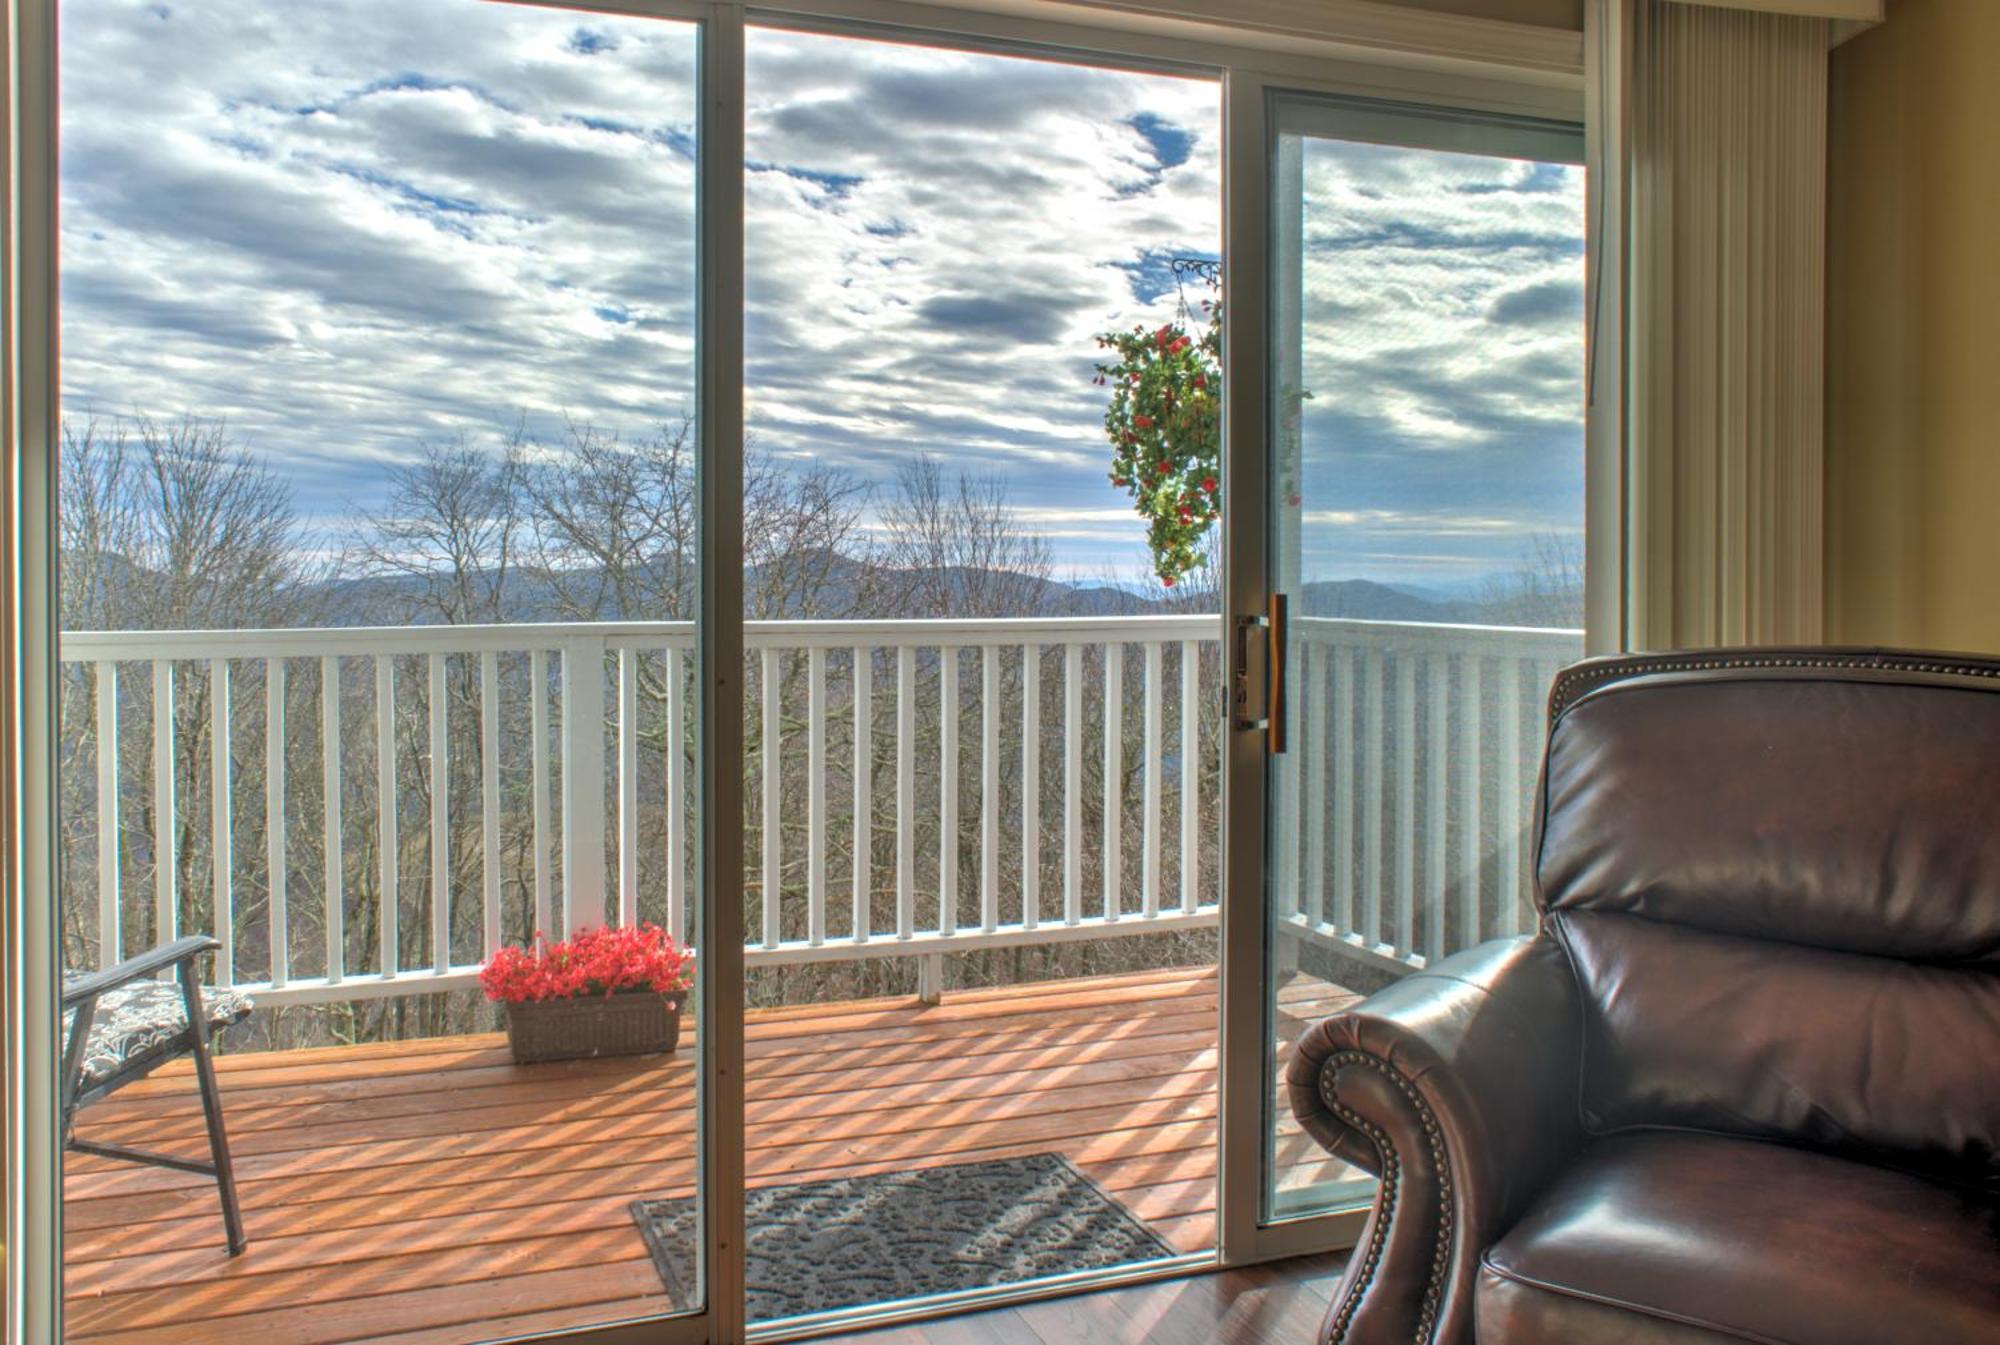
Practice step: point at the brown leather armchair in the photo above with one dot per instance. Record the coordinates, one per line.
(1744, 1085)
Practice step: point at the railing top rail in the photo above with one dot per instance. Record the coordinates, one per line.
(98, 646)
(146, 645)
(1457, 635)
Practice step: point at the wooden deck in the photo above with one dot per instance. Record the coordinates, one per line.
(433, 1193)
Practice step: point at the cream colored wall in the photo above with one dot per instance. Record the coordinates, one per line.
(1913, 330)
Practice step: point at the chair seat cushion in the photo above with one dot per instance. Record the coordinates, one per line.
(137, 1023)
(1674, 1237)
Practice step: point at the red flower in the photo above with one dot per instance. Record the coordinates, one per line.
(1167, 580)
(1201, 380)
(1143, 422)
(1178, 346)
(1208, 484)
(591, 962)
(1163, 336)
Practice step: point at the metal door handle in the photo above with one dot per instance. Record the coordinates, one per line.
(1274, 703)
(1272, 722)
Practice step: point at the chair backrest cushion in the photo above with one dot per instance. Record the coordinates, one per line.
(1779, 883)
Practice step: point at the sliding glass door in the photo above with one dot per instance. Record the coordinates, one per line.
(1425, 503)
(791, 491)
(984, 721)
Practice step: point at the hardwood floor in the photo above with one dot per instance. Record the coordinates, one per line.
(1277, 1304)
(432, 1192)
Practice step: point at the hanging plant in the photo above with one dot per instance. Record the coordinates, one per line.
(1165, 427)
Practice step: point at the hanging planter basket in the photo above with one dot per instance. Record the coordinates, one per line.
(631, 1022)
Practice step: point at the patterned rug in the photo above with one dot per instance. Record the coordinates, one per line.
(819, 1246)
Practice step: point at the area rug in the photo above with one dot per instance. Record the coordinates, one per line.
(820, 1246)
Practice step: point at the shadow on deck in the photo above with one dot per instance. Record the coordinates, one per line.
(432, 1191)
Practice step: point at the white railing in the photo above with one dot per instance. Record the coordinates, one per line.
(1447, 722)
(461, 739)
(476, 804)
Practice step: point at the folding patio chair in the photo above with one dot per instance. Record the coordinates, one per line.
(122, 1023)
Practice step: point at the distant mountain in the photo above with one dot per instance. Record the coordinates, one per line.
(815, 585)
(1366, 600)
(810, 585)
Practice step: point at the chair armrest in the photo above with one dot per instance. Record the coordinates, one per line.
(132, 968)
(1456, 1087)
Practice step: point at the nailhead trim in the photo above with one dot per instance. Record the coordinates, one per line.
(1391, 1179)
(1573, 683)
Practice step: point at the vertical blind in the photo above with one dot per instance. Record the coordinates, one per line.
(1726, 311)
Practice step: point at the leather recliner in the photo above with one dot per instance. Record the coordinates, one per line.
(1744, 1084)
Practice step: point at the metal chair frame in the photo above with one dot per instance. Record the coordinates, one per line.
(82, 997)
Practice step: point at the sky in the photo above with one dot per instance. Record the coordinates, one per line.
(351, 227)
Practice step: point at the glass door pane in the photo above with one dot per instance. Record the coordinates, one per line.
(379, 352)
(1427, 505)
(983, 757)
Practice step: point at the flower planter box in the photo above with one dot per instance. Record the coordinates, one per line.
(632, 1022)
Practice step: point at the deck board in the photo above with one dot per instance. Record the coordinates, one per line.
(432, 1190)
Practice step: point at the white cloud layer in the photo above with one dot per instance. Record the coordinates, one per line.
(350, 226)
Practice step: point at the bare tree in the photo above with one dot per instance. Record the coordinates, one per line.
(1544, 589)
(173, 527)
(450, 529)
(957, 548)
(177, 527)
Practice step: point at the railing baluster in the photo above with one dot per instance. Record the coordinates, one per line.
(816, 796)
(989, 789)
(489, 802)
(1114, 777)
(1190, 776)
(1371, 800)
(1072, 783)
(948, 790)
(1031, 785)
(276, 851)
(1511, 790)
(440, 742)
(906, 789)
(628, 785)
(772, 840)
(110, 932)
(166, 858)
(1437, 701)
(1419, 817)
(1149, 844)
(864, 789)
(1310, 812)
(222, 821)
(1346, 766)
(1472, 760)
(676, 798)
(1403, 922)
(332, 847)
(583, 783)
(538, 745)
(389, 898)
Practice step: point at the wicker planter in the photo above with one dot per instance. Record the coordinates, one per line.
(633, 1022)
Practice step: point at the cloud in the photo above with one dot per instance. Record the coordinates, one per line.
(376, 224)
(1557, 303)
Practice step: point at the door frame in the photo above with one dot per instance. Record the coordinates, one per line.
(1249, 139)
(1353, 49)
